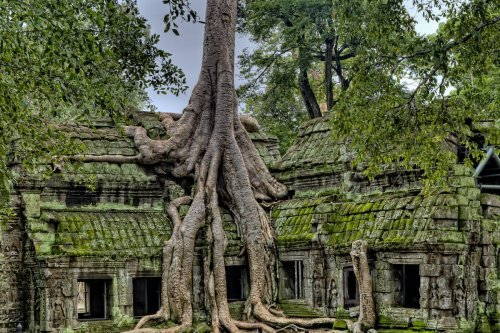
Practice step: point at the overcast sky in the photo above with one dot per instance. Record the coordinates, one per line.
(187, 48)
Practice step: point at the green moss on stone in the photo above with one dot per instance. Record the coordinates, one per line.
(340, 325)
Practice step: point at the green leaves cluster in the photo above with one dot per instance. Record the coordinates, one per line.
(402, 99)
(294, 37)
(69, 61)
(421, 115)
(178, 9)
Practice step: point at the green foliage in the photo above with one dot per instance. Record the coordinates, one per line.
(293, 36)
(439, 85)
(279, 112)
(178, 9)
(69, 61)
(401, 98)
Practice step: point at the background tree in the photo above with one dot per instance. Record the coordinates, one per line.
(399, 96)
(308, 47)
(440, 93)
(319, 34)
(64, 61)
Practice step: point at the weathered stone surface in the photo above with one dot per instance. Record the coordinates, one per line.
(115, 231)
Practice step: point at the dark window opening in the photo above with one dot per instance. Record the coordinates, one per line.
(146, 295)
(293, 279)
(80, 195)
(236, 282)
(407, 288)
(93, 299)
(351, 288)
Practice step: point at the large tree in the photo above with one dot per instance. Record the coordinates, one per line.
(66, 61)
(314, 42)
(209, 144)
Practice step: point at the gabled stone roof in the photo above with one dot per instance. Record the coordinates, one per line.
(390, 220)
(314, 153)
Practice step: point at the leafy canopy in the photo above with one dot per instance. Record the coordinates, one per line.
(319, 37)
(400, 97)
(422, 113)
(63, 61)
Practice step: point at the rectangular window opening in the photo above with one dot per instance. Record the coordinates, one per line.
(236, 282)
(407, 286)
(293, 279)
(93, 300)
(146, 295)
(351, 288)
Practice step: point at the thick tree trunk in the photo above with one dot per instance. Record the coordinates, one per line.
(367, 316)
(310, 101)
(209, 143)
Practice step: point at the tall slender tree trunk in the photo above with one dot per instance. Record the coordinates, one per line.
(328, 73)
(308, 96)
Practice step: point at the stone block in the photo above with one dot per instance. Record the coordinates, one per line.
(422, 213)
(430, 270)
(462, 200)
(31, 204)
(488, 199)
(382, 285)
(496, 237)
(489, 250)
(394, 321)
(469, 213)
(447, 324)
(488, 261)
(446, 303)
(442, 224)
(385, 299)
(449, 260)
(486, 238)
(471, 193)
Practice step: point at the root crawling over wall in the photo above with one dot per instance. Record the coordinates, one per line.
(367, 316)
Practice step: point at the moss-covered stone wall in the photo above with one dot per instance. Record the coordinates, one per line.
(107, 221)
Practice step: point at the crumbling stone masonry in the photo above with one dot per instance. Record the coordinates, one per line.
(76, 258)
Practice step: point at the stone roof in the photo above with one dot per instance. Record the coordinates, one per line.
(85, 232)
(314, 153)
(121, 213)
(318, 162)
(388, 220)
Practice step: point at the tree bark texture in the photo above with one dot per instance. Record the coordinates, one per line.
(306, 91)
(329, 74)
(209, 144)
(367, 316)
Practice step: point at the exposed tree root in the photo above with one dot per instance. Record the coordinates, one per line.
(245, 325)
(367, 316)
(210, 144)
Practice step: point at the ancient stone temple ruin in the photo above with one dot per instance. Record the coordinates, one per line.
(79, 257)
